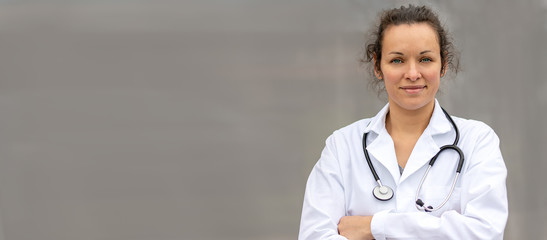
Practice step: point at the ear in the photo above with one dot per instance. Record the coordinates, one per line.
(445, 65)
(443, 72)
(377, 72)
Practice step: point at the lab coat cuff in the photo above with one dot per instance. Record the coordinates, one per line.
(378, 225)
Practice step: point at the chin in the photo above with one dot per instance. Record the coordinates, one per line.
(414, 104)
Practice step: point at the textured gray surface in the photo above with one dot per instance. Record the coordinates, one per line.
(169, 120)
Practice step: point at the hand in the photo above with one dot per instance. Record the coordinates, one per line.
(355, 227)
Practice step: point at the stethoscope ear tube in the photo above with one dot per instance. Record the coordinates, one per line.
(419, 202)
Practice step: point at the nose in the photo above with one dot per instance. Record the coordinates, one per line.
(413, 73)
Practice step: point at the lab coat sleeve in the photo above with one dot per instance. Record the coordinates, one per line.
(324, 202)
(484, 207)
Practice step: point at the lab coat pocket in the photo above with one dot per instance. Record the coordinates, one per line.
(435, 195)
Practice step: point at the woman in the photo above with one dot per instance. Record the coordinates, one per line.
(409, 54)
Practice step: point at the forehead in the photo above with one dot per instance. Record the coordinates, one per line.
(409, 37)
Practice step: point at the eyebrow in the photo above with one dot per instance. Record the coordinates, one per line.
(397, 53)
(400, 53)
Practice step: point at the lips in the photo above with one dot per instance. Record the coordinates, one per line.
(413, 89)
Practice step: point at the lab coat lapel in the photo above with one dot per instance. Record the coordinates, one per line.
(383, 150)
(426, 147)
(380, 145)
(424, 150)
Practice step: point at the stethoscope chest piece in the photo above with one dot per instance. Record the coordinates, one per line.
(382, 193)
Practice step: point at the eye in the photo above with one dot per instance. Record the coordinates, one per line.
(396, 61)
(426, 59)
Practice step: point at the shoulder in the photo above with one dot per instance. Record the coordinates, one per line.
(476, 135)
(472, 127)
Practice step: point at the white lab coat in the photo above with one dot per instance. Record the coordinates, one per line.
(341, 183)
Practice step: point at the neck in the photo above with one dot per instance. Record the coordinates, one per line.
(406, 121)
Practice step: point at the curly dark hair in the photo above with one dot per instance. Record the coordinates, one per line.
(408, 15)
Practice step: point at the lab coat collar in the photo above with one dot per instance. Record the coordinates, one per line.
(378, 123)
(382, 147)
(438, 124)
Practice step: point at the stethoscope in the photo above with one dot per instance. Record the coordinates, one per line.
(384, 193)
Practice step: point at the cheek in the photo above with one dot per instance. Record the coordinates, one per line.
(391, 75)
(433, 79)
(391, 80)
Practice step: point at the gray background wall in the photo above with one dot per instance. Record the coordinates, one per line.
(201, 120)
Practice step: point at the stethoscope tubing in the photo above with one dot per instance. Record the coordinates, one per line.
(368, 160)
(385, 195)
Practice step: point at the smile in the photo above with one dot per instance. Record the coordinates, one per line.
(413, 89)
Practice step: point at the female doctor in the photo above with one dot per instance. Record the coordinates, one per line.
(375, 178)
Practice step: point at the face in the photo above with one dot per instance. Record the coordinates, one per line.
(411, 65)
